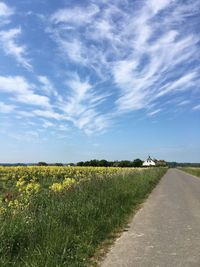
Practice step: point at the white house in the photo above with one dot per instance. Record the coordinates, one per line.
(148, 162)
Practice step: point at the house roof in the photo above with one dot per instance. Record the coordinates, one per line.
(149, 159)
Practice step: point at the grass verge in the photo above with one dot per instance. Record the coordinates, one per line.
(66, 229)
(192, 170)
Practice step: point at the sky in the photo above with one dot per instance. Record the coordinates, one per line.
(104, 79)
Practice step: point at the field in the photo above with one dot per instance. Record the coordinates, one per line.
(192, 170)
(59, 216)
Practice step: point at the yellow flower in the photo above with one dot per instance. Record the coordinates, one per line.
(20, 183)
(66, 184)
(2, 210)
(56, 187)
(69, 182)
(32, 188)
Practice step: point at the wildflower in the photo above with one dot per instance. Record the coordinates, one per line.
(20, 183)
(69, 183)
(2, 211)
(56, 187)
(32, 188)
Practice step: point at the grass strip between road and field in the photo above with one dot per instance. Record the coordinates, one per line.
(191, 170)
(66, 229)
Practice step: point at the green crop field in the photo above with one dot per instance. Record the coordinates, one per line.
(59, 216)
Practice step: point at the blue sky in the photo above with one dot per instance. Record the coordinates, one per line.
(99, 79)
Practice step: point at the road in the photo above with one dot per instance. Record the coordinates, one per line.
(165, 232)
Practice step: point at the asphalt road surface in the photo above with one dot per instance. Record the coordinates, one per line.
(165, 232)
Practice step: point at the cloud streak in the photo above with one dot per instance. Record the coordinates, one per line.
(5, 11)
(109, 59)
(22, 91)
(147, 56)
(5, 108)
(11, 47)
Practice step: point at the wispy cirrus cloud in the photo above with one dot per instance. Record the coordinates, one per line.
(81, 106)
(76, 15)
(145, 55)
(153, 113)
(49, 114)
(112, 58)
(20, 90)
(47, 86)
(197, 107)
(8, 42)
(5, 108)
(183, 103)
(9, 38)
(78, 107)
(5, 13)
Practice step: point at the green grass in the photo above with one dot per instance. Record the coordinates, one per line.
(66, 229)
(192, 170)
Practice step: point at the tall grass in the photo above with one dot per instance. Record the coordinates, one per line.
(66, 229)
(192, 170)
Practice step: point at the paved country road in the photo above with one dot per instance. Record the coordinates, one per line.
(165, 232)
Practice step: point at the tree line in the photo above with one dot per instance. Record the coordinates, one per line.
(106, 163)
(99, 163)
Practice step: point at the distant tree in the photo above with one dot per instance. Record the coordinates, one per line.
(71, 164)
(93, 163)
(103, 163)
(115, 163)
(58, 164)
(172, 164)
(137, 163)
(87, 163)
(125, 163)
(42, 163)
(81, 163)
(161, 163)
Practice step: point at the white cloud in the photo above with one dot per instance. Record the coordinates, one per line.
(5, 14)
(62, 127)
(184, 102)
(127, 55)
(14, 84)
(80, 107)
(153, 113)
(141, 83)
(11, 47)
(50, 114)
(182, 83)
(5, 108)
(5, 11)
(158, 5)
(79, 91)
(146, 56)
(123, 71)
(76, 15)
(197, 107)
(73, 49)
(31, 98)
(47, 124)
(22, 91)
(47, 87)
(91, 122)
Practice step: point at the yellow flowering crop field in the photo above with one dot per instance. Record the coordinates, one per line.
(59, 216)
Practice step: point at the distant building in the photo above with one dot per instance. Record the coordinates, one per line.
(149, 162)
(161, 163)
